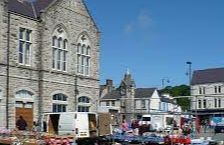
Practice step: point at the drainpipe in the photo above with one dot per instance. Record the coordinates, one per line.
(40, 72)
(76, 93)
(7, 68)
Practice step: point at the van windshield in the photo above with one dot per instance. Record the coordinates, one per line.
(146, 119)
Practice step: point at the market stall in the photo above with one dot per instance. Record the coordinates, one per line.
(8, 137)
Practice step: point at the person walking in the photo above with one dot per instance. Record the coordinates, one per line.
(21, 123)
(124, 126)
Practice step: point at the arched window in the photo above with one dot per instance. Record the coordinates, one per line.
(59, 103)
(24, 99)
(83, 104)
(83, 56)
(84, 100)
(23, 94)
(59, 50)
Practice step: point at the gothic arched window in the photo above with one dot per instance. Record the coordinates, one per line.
(83, 56)
(59, 50)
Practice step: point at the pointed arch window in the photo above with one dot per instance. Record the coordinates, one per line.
(83, 56)
(59, 50)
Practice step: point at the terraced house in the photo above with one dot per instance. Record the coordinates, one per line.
(207, 91)
(49, 59)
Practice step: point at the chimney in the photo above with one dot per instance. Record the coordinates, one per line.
(109, 82)
(109, 85)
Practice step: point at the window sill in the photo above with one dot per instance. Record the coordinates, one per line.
(59, 71)
(19, 65)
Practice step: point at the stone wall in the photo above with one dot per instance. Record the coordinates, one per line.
(39, 77)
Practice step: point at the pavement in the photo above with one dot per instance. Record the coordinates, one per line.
(210, 134)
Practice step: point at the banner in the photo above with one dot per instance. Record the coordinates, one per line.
(217, 121)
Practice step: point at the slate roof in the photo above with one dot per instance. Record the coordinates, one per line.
(139, 93)
(33, 9)
(27, 8)
(213, 75)
(115, 94)
(144, 92)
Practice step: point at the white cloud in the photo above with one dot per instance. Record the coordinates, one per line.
(142, 21)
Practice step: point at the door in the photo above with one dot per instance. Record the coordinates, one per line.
(26, 111)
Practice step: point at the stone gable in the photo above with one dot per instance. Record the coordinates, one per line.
(39, 78)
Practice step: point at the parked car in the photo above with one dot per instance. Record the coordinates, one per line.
(219, 129)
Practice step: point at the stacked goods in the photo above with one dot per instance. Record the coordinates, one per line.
(177, 139)
(58, 140)
(24, 137)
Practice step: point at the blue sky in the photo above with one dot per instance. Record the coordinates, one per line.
(155, 38)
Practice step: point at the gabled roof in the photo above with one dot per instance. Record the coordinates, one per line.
(139, 93)
(144, 92)
(27, 8)
(115, 94)
(33, 9)
(41, 5)
(213, 75)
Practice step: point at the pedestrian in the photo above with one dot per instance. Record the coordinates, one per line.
(135, 127)
(35, 126)
(124, 126)
(21, 123)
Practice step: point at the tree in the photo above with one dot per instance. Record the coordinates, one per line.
(182, 90)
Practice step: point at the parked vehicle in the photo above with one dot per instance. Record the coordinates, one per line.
(219, 129)
(157, 122)
(80, 124)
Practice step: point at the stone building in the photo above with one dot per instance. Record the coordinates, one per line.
(49, 59)
(207, 91)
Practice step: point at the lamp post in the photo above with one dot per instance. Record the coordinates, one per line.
(189, 77)
(195, 102)
(189, 71)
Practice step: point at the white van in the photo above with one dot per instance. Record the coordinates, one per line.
(79, 124)
(154, 121)
(145, 120)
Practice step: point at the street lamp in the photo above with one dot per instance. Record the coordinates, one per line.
(196, 99)
(189, 71)
(189, 75)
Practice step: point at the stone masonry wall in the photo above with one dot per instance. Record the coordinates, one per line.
(72, 15)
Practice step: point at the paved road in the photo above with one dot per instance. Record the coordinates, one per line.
(210, 133)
